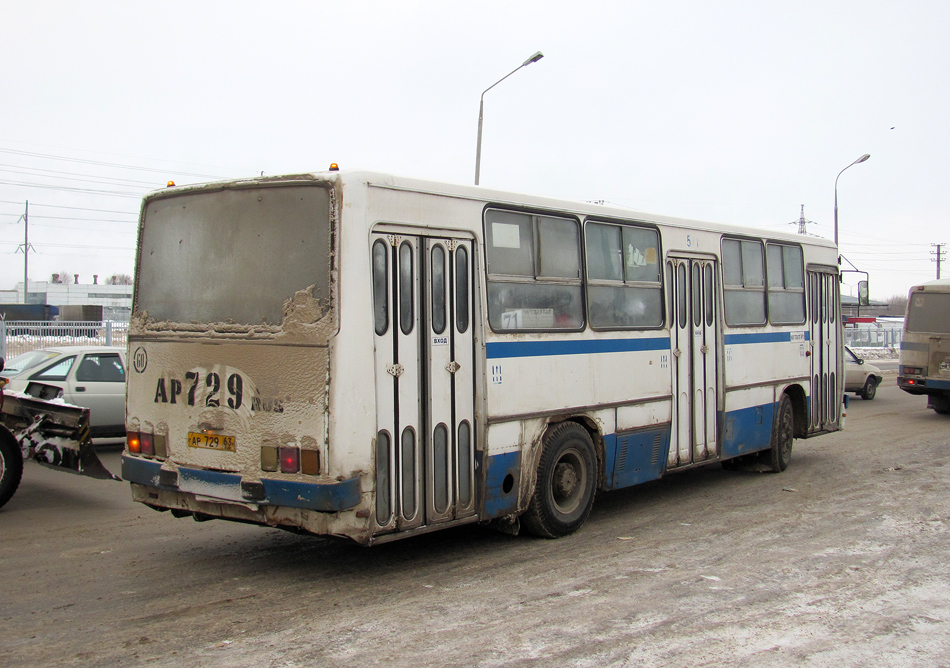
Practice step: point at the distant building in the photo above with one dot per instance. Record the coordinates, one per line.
(116, 300)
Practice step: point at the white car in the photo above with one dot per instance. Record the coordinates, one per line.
(90, 376)
(859, 376)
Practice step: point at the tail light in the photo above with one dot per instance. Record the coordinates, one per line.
(147, 444)
(290, 459)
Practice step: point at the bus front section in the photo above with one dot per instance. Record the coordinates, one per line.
(229, 357)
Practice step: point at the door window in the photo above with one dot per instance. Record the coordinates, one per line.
(57, 371)
(101, 368)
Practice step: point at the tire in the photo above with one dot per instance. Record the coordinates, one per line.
(940, 404)
(564, 492)
(870, 389)
(11, 466)
(783, 436)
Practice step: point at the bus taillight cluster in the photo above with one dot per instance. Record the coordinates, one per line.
(147, 444)
(290, 459)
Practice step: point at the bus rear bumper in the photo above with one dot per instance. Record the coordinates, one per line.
(923, 385)
(328, 497)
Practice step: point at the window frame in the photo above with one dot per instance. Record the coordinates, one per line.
(535, 216)
(101, 359)
(784, 289)
(659, 284)
(42, 374)
(746, 289)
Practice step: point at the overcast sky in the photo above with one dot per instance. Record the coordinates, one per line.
(736, 112)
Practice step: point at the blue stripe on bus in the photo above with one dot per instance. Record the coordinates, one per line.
(324, 497)
(916, 347)
(764, 337)
(503, 349)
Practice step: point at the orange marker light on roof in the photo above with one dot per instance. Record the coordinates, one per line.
(334, 167)
(171, 184)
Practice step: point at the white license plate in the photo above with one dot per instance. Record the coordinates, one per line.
(211, 441)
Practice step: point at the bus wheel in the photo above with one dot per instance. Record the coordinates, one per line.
(11, 467)
(564, 493)
(940, 404)
(780, 454)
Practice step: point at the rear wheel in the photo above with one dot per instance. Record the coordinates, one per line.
(783, 436)
(564, 492)
(11, 466)
(870, 388)
(940, 404)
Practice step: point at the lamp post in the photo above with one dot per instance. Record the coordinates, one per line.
(861, 159)
(535, 57)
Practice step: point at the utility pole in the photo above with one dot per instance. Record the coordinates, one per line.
(802, 222)
(938, 256)
(25, 247)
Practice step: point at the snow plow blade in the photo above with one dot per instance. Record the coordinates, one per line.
(53, 434)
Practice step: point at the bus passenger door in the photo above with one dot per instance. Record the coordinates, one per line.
(396, 305)
(450, 380)
(425, 396)
(694, 342)
(825, 386)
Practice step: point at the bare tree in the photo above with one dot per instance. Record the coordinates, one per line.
(119, 279)
(896, 305)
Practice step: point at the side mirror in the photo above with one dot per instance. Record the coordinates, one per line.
(863, 298)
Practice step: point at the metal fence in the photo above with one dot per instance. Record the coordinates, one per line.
(877, 337)
(22, 336)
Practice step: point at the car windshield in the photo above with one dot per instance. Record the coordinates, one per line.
(34, 358)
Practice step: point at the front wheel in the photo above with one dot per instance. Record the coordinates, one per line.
(11, 466)
(564, 492)
(783, 436)
(870, 389)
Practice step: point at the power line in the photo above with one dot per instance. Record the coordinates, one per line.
(90, 191)
(60, 206)
(106, 164)
(69, 176)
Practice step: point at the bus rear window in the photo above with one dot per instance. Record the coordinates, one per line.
(233, 255)
(929, 312)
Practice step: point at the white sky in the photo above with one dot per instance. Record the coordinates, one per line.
(730, 111)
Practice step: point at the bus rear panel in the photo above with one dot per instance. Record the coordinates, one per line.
(925, 345)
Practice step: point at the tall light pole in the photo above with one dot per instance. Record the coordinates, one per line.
(861, 159)
(535, 57)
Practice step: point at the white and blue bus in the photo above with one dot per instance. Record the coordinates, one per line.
(360, 355)
(925, 345)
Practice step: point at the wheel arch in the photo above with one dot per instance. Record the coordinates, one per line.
(593, 429)
(796, 394)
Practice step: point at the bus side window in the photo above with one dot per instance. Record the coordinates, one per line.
(786, 285)
(623, 276)
(743, 282)
(534, 280)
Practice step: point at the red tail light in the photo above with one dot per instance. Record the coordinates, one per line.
(289, 460)
(147, 444)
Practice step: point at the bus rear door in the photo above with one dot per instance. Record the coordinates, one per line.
(425, 451)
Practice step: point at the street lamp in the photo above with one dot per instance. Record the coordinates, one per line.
(861, 159)
(535, 57)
